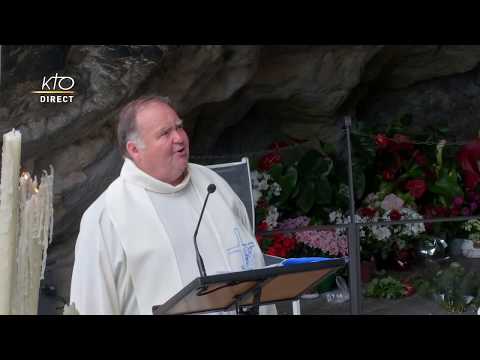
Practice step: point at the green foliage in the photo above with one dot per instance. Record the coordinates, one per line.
(399, 125)
(363, 156)
(453, 287)
(447, 186)
(387, 288)
(288, 183)
(307, 183)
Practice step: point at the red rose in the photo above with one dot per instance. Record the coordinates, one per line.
(268, 160)
(420, 159)
(455, 211)
(271, 251)
(388, 175)
(402, 142)
(382, 141)
(441, 211)
(263, 226)
(395, 215)
(468, 158)
(416, 187)
(367, 212)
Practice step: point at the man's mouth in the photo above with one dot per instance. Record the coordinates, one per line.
(181, 151)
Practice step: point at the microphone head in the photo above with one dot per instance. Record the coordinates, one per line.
(211, 188)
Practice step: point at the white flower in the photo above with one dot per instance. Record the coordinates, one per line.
(272, 217)
(371, 198)
(276, 189)
(381, 233)
(333, 216)
(256, 196)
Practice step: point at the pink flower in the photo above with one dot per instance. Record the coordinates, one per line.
(392, 202)
(325, 240)
(294, 223)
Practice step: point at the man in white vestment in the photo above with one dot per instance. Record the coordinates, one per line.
(135, 246)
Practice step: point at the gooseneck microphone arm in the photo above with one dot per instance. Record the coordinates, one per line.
(201, 266)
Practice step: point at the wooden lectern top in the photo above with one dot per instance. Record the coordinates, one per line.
(225, 291)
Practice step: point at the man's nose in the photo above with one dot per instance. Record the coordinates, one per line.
(178, 136)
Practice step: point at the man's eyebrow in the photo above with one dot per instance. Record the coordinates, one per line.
(166, 128)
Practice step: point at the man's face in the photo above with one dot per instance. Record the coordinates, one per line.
(166, 146)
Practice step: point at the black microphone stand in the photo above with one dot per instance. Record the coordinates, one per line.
(201, 266)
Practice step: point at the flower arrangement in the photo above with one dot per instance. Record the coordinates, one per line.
(473, 229)
(396, 177)
(379, 241)
(293, 194)
(436, 181)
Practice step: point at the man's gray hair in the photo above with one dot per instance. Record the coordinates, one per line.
(127, 123)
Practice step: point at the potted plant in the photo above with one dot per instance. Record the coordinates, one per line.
(386, 287)
(471, 247)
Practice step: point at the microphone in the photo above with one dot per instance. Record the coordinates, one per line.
(201, 267)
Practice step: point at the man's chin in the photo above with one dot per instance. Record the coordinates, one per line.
(182, 159)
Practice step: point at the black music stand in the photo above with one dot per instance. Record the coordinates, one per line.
(248, 289)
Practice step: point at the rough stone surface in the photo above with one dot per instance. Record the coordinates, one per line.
(234, 99)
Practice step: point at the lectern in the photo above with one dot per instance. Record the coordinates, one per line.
(245, 291)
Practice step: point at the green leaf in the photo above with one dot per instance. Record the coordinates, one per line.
(276, 171)
(307, 197)
(447, 185)
(323, 191)
(414, 172)
(260, 215)
(385, 188)
(296, 192)
(330, 149)
(406, 197)
(287, 182)
(307, 161)
(359, 181)
(314, 164)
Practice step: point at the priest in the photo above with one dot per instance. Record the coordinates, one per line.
(135, 246)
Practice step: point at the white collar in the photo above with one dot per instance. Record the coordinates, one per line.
(132, 174)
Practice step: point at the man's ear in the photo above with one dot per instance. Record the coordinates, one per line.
(132, 150)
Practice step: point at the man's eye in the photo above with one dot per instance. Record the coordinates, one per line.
(180, 126)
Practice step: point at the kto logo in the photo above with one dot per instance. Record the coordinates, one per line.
(61, 86)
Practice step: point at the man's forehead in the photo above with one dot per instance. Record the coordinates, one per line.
(155, 114)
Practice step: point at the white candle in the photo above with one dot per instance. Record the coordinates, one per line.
(11, 151)
(35, 234)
